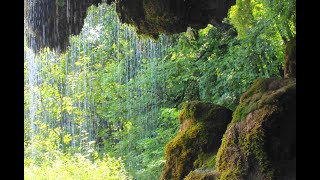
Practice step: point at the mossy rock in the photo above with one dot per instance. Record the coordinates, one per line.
(260, 142)
(154, 17)
(201, 128)
(201, 175)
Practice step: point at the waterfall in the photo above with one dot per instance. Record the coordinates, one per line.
(106, 82)
(32, 83)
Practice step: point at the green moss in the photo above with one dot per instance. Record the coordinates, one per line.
(182, 139)
(201, 175)
(199, 111)
(149, 17)
(244, 143)
(205, 161)
(262, 92)
(252, 143)
(180, 150)
(228, 164)
(195, 145)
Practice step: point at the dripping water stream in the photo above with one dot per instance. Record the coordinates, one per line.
(107, 59)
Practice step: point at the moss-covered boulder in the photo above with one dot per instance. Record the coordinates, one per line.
(152, 17)
(201, 128)
(260, 142)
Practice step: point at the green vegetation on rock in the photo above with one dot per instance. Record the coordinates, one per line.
(250, 145)
(201, 175)
(201, 128)
(263, 92)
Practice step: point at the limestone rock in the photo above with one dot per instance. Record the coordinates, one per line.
(201, 128)
(51, 22)
(260, 142)
(152, 17)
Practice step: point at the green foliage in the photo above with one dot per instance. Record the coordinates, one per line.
(277, 17)
(219, 67)
(68, 167)
(145, 158)
(45, 160)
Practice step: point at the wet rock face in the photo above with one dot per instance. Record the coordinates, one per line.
(51, 22)
(290, 59)
(151, 17)
(201, 128)
(260, 142)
